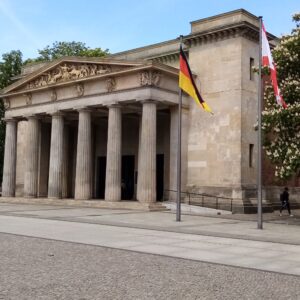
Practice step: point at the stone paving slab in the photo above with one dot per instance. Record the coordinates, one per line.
(192, 224)
(7, 207)
(282, 258)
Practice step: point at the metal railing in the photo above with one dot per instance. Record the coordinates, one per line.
(203, 200)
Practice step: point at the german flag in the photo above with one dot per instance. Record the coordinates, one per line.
(187, 83)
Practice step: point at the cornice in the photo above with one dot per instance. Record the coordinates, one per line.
(166, 58)
(242, 29)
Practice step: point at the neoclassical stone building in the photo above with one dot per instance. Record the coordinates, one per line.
(88, 128)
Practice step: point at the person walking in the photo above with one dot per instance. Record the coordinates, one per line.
(284, 198)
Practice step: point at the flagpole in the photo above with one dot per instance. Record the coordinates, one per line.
(259, 146)
(178, 202)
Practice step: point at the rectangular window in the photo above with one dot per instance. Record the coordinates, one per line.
(251, 147)
(251, 65)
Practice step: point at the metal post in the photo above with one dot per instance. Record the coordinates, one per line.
(178, 208)
(259, 148)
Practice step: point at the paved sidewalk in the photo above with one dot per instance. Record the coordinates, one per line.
(276, 248)
(276, 229)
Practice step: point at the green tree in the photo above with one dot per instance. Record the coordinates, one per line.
(282, 126)
(60, 49)
(9, 67)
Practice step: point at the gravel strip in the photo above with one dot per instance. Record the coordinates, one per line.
(33, 268)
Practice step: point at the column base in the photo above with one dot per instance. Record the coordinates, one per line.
(56, 198)
(147, 201)
(113, 195)
(8, 196)
(112, 200)
(82, 198)
(130, 205)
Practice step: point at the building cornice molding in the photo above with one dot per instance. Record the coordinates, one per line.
(241, 29)
(98, 99)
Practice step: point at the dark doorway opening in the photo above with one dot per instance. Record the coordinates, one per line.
(159, 177)
(100, 181)
(127, 177)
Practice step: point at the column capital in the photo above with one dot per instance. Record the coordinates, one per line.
(10, 120)
(149, 101)
(116, 105)
(35, 117)
(84, 108)
(57, 113)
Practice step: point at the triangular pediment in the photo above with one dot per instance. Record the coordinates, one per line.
(69, 69)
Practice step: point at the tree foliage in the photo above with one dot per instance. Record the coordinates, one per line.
(9, 67)
(282, 126)
(60, 49)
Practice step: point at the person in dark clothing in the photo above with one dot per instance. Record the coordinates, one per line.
(284, 198)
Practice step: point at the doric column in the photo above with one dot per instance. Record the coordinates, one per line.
(65, 163)
(146, 189)
(32, 158)
(113, 161)
(10, 157)
(56, 156)
(83, 181)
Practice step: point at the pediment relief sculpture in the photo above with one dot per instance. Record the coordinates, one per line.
(67, 72)
(111, 84)
(6, 103)
(79, 89)
(150, 78)
(28, 98)
(53, 95)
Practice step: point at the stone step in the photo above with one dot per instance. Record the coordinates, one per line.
(130, 205)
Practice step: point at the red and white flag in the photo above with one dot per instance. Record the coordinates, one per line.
(267, 60)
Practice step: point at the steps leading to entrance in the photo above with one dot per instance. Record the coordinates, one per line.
(132, 205)
(193, 209)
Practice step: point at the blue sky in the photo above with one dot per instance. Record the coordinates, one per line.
(118, 25)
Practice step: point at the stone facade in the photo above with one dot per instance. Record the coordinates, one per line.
(82, 137)
(107, 128)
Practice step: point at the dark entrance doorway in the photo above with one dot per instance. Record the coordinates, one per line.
(100, 182)
(127, 177)
(159, 177)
